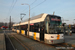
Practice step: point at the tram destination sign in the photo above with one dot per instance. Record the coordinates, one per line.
(55, 19)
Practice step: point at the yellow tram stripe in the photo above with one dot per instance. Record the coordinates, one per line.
(34, 35)
(22, 31)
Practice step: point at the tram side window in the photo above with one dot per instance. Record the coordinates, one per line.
(17, 27)
(36, 29)
(31, 28)
(26, 26)
(41, 24)
(23, 27)
(14, 27)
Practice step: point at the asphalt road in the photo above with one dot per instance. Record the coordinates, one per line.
(69, 38)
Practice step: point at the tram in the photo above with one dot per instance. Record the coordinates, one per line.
(44, 27)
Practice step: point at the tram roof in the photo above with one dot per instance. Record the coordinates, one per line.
(33, 18)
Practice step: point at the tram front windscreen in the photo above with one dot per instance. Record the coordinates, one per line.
(53, 25)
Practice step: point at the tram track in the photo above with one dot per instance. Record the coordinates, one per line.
(27, 48)
(9, 44)
(16, 43)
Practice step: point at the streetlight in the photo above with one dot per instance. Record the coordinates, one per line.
(73, 21)
(29, 18)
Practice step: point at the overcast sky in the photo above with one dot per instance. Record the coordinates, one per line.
(13, 8)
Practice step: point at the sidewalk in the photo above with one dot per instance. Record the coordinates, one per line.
(2, 42)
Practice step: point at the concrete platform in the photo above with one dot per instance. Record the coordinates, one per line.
(2, 42)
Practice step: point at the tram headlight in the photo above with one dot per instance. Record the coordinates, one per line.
(70, 31)
(66, 31)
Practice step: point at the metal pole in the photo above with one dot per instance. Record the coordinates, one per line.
(29, 21)
(53, 13)
(10, 24)
(73, 21)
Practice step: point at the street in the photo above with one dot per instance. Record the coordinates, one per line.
(70, 38)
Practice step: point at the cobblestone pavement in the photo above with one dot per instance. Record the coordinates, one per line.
(34, 45)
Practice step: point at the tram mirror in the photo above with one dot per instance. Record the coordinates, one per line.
(49, 24)
(63, 25)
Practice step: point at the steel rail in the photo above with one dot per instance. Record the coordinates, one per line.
(21, 43)
(11, 42)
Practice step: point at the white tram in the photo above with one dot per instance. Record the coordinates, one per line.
(43, 27)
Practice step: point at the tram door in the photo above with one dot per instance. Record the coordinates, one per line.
(26, 32)
(41, 34)
(20, 29)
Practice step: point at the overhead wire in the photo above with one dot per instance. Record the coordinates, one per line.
(12, 6)
(30, 4)
(37, 5)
